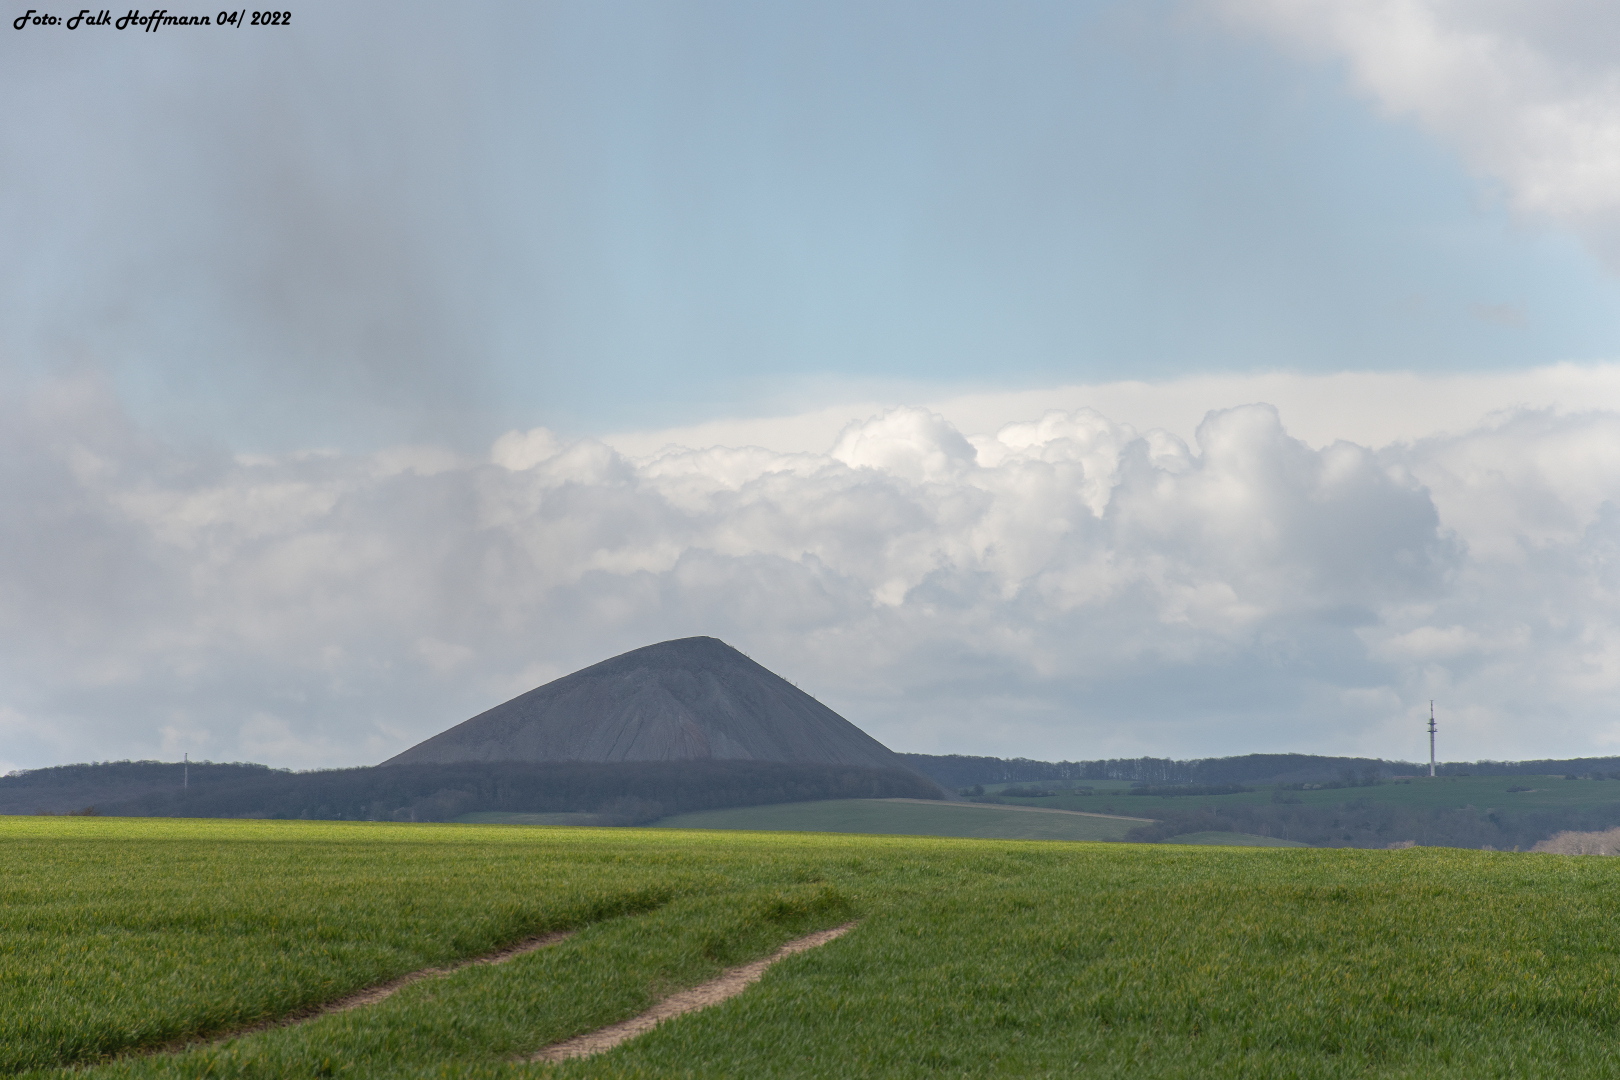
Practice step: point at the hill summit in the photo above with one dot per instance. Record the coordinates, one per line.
(690, 699)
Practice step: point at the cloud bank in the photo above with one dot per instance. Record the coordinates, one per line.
(1065, 586)
(1373, 408)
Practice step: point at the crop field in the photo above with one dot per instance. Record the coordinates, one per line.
(901, 818)
(974, 958)
(1227, 839)
(494, 817)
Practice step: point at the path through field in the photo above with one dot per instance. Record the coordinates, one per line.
(369, 996)
(713, 992)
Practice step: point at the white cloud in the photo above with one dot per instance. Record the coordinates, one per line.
(1427, 643)
(524, 449)
(1532, 479)
(914, 444)
(1066, 585)
(1528, 94)
(1367, 407)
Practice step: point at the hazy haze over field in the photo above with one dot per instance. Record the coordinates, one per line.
(1062, 380)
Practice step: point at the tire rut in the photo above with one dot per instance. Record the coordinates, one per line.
(371, 995)
(728, 985)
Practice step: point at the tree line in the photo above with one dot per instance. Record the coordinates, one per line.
(956, 771)
(1363, 823)
(619, 793)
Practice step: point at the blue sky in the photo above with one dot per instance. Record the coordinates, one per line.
(609, 216)
(1058, 380)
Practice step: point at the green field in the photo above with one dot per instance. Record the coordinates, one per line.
(894, 817)
(975, 958)
(1444, 792)
(1232, 839)
(496, 817)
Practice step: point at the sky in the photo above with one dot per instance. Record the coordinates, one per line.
(1178, 377)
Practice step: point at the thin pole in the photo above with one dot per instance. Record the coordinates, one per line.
(185, 777)
(1431, 736)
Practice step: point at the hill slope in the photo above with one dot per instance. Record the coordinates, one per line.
(689, 699)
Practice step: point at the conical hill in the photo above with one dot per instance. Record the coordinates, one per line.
(688, 699)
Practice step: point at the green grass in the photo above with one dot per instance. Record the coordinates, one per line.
(973, 958)
(894, 818)
(496, 817)
(1232, 839)
(128, 932)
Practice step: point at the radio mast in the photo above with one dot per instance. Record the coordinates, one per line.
(1431, 736)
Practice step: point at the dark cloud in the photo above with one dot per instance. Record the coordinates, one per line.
(260, 238)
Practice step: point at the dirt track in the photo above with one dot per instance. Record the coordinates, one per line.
(729, 985)
(369, 996)
(389, 989)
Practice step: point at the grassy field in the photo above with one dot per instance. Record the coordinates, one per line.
(895, 818)
(496, 817)
(973, 958)
(1232, 839)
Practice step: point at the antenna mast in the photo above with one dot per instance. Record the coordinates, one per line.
(1431, 736)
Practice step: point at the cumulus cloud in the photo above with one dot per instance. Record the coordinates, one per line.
(1528, 94)
(1062, 586)
(1373, 408)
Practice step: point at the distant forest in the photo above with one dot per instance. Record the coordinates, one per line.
(625, 793)
(957, 771)
(1367, 823)
(1359, 820)
(637, 792)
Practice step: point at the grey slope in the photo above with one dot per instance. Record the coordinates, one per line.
(679, 700)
